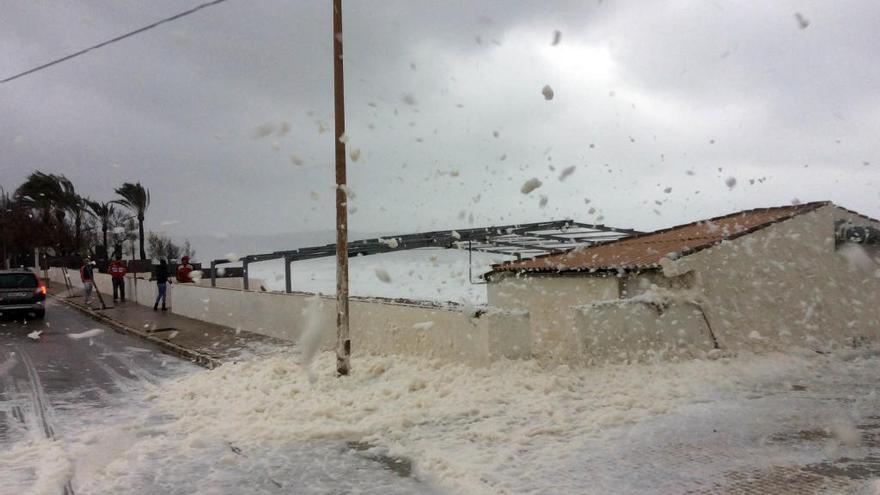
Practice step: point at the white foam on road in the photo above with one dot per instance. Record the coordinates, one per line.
(487, 430)
(86, 335)
(35, 467)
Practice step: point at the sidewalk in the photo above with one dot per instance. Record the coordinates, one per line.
(204, 343)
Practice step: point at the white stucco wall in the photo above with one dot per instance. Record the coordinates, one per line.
(376, 326)
(380, 327)
(143, 291)
(57, 275)
(786, 285)
(138, 287)
(549, 300)
(635, 331)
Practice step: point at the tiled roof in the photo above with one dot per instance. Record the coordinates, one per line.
(646, 250)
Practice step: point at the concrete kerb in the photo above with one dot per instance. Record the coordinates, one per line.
(194, 356)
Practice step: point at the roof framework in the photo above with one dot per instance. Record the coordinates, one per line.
(518, 240)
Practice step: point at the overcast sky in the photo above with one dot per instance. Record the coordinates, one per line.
(444, 104)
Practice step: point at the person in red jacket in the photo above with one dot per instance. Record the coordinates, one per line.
(117, 274)
(184, 270)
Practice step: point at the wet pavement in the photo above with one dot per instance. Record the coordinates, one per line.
(73, 364)
(205, 343)
(807, 435)
(76, 417)
(63, 372)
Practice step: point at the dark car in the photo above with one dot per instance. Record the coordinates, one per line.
(22, 291)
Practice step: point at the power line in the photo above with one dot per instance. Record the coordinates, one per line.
(114, 40)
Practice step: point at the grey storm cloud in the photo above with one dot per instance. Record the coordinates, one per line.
(444, 104)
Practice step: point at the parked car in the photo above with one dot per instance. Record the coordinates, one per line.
(22, 291)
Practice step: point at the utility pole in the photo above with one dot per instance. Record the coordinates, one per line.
(343, 342)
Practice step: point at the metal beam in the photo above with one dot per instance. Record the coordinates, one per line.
(526, 228)
(569, 224)
(522, 240)
(507, 251)
(604, 227)
(522, 247)
(600, 237)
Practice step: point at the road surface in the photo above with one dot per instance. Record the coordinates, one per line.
(76, 417)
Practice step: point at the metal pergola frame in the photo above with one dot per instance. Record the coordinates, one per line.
(517, 240)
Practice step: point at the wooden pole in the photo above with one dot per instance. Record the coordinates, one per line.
(98, 293)
(343, 342)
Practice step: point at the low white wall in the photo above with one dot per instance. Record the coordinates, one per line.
(636, 331)
(376, 326)
(104, 283)
(445, 333)
(138, 287)
(57, 275)
(509, 334)
(548, 299)
(142, 290)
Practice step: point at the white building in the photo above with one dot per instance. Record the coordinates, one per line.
(804, 275)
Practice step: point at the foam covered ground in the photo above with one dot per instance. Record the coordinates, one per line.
(516, 427)
(275, 426)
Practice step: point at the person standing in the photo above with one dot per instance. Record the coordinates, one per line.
(161, 284)
(184, 271)
(117, 274)
(86, 274)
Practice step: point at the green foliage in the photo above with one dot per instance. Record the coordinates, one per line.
(137, 199)
(134, 197)
(46, 212)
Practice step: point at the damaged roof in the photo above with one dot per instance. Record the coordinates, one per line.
(645, 251)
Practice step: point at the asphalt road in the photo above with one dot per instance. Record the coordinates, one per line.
(73, 371)
(76, 417)
(74, 361)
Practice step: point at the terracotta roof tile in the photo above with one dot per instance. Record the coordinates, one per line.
(646, 250)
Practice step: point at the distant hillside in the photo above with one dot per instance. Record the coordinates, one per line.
(209, 247)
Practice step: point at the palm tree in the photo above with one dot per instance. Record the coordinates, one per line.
(7, 213)
(72, 202)
(137, 199)
(20, 229)
(43, 192)
(51, 195)
(123, 229)
(104, 213)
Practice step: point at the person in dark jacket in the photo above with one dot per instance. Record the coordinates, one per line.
(161, 283)
(86, 274)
